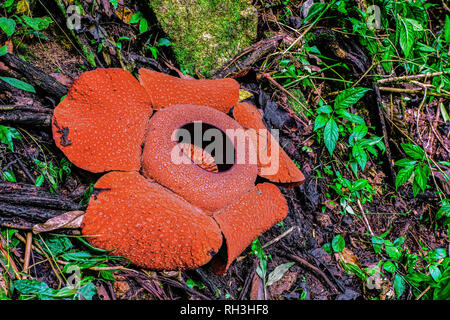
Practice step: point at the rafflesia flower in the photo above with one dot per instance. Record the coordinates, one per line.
(158, 212)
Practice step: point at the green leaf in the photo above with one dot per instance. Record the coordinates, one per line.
(350, 116)
(436, 254)
(393, 252)
(360, 131)
(143, 25)
(377, 244)
(8, 175)
(360, 156)
(359, 184)
(399, 285)
(3, 50)
(403, 176)
(421, 176)
(135, 18)
(7, 134)
(88, 291)
(447, 29)
(278, 272)
(406, 162)
(406, 29)
(191, 283)
(413, 151)
(435, 273)
(338, 243)
(8, 26)
(114, 3)
(327, 248)
(325, 109)
(164, 42)
(321, 121)
(386, 59)
(389, 266)
(37, 24)
(349, 97)
(331, 135)
(7, 4)
(18, 84)
(27, 286)
(39, 181)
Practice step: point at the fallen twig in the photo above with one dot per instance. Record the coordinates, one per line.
(412, 77)
(314, 269)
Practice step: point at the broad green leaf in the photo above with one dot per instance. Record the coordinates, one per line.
(360, 131)
(406, 29)
(413, 151)
(325, 109)
(39, 181)
(331, 135)
(421, 176)
(37, 24)
(386, 59)
(114, 3)
(403, 176)
(8, 175)
(7, 4)
(417, 27)
(435, 273)
(406, 162)
(278, 272)
(3, 50)
(389, 266)
(135, 18)
(321, 121)
(350, 116)
(349, 97)
(18, 84)
(27, 286)
(444, 210)
(359, 184)
(392, 251)
(399, 285)
(436, 254)
(143, 25)
(88, 291)
(360, 156)
(164, 42)
(8, 26)
(338, 243)
(447, 30)
(7, 134)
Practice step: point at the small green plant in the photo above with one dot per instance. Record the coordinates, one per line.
(55, 175)
(191, 283)
(431, 269)
(328, 116)
(350, 192)
(7, 134)
(138, 18)
(414, 165)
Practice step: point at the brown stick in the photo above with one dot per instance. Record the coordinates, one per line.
(25, 115)
(23, 205)
(413, 91)
(314, 269)
(34, 75)
(411, 77)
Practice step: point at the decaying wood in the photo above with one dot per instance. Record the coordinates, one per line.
(34, 75)
(25, 115)
(254, 53)
(23, 205)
